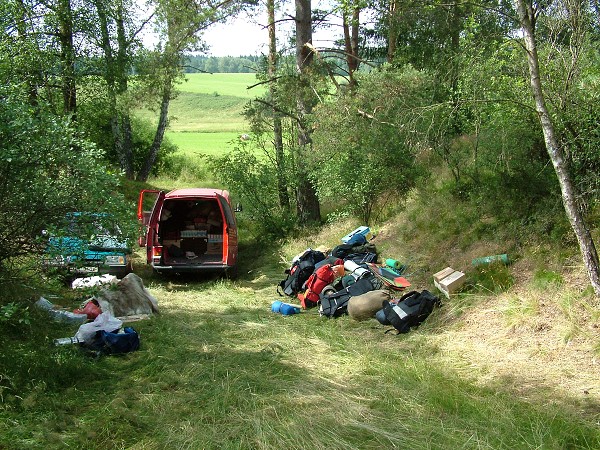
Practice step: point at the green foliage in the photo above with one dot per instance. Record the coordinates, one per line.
(48, 170)
(226, 64)
(14, 314)
(253, 181)
(96, 121)
(365, 147)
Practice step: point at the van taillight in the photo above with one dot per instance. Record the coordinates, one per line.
(157, 250)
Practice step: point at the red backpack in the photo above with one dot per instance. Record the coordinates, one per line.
(323, 276)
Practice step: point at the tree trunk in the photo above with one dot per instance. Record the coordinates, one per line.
(308, 207)
(526, 16)
(284, 199)
(115, 76)
(23, 35)
(351, 27)
(122, 87)
(67, 57)
(144, 173)
(392, 30)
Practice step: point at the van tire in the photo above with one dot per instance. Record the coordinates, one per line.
(232, 273)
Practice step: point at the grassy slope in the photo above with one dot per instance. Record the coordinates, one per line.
(515, 368)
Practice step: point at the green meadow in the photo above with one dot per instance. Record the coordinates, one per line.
(207, 143)
(230, 84)
(207, 114)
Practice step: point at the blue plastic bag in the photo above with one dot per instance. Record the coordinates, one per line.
(111, 343)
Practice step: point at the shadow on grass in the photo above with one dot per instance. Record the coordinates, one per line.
(230, 379)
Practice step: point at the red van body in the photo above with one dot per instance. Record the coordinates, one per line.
(188, 230)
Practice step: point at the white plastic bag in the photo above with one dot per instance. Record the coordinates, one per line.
(104, 321)
(96, 280)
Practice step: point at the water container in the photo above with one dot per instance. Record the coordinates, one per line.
(284, 308)
(67, 341)
(491, 259)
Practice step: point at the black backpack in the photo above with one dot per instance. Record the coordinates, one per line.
(299, 272)
(412, 309)
(343, 250)
(336, 304)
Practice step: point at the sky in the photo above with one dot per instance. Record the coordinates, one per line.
(241, 37)
(248, 36)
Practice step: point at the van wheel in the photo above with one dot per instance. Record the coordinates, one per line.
(232, 273)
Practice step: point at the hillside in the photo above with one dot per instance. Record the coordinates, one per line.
(206, 115)
(532, 327)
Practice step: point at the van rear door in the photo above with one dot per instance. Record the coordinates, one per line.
(149, 219)
(146, 204)
(230, 237)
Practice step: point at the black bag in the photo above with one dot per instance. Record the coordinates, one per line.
(412, 309)
(336, 304)
(300, 272)
(361, 258)
(343, 250)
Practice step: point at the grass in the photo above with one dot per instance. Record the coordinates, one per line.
(217, 369)
(207, 114)
(228, 84)
(204, 113)
(192, 143)
(508, 365)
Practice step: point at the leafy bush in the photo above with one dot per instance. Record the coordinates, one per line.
(48, 170)
(254, 182)
(365, 143)
(95, 120)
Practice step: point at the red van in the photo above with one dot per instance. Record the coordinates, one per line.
(188, 230)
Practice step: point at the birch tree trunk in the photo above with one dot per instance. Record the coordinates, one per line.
(284, 199)
(527, 17)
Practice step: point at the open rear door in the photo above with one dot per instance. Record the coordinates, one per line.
(230, 237)
(146, 204)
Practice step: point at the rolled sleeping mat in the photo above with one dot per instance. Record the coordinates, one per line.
(393, 263)
(355, 270)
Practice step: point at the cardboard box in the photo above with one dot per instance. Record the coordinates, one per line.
(439, 276)
(214, 248)
(449, 283)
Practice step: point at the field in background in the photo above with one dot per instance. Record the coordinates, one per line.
(207, 114)
(193, 143)
(232, 84)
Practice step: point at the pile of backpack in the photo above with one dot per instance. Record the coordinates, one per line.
(349, 280)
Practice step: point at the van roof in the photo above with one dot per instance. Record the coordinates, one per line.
(197, 192)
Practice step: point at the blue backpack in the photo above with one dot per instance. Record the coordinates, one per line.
(112, 343)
